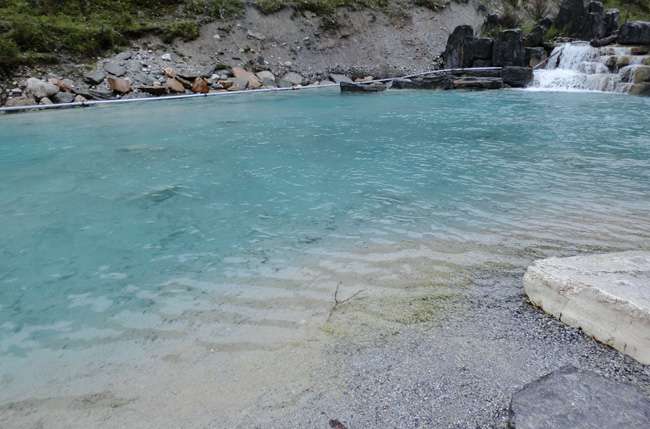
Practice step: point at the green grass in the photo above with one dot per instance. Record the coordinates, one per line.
(319, 7)
(631, 10)
(36, 30)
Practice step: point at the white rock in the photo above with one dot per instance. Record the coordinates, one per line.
(166, 57)
(607, 296)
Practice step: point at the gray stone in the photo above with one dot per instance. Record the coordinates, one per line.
(95, 77)
(509, 49)
(635, 33)
(267, 78)
(291, 79)
(338, 78)
(115, 69)
(256, 36)
(570, 398)
(123, 56)
(40, 89)
(481, 48)
(439, 81)
(642, 89)
(517, 77)
(612, 17)
(607, 296)
(63, 97)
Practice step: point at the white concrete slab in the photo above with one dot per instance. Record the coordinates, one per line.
(606, 295)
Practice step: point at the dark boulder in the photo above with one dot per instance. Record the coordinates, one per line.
(517, 77)
(635, 33)
(476, 73)
(536, 36)
(458, 53)
(363, 87)
(570, 398)
(508, 49)
(640, 89)
(482, 63)
(438, 81)
(482, 48)
(596, 7)
(478, 83)
(571, 17)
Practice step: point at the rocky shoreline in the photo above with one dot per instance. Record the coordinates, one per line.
(140, 73)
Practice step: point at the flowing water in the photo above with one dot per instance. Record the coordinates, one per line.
(171, 261)
(579, 66)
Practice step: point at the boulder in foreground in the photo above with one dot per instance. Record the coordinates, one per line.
(570, 398)
(607, 296)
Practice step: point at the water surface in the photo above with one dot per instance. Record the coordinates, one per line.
(228, 222)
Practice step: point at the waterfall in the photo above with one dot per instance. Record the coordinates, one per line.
(580, 67)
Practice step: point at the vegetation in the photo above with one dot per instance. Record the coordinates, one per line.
(37, 30)
(631, 10)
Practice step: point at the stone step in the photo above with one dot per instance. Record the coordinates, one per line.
(606, 295)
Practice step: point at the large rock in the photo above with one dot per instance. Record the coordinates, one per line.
(570, 398)
(478, 83)
(459, 52)
(571, 17)
(40, 89)
(174, 85)
(517, 77)
(481, 49)
(114, 68)
(291, 79)
(252, 81)
(607, 296)
(642, 89)
(611, 20)
(200, 86)
(267, 78)
(95, 77)
(535, 37)
(63, 97)
(119, 86)
(437, 81)
(509, 49)
(635, 33)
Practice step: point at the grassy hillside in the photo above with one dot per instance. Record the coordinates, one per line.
(43, 30)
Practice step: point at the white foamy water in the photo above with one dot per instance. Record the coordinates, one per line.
(581, 67)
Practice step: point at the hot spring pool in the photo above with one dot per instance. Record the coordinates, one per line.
(144, 236)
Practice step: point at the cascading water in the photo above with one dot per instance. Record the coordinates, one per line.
(580, 67)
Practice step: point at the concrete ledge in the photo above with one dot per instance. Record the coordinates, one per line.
(607, 296)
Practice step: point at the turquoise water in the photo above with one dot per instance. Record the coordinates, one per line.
(102, 208)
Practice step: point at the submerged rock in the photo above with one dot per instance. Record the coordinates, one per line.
(363, 87)
(570, 398)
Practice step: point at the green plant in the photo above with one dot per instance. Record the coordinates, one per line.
(185, 30)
